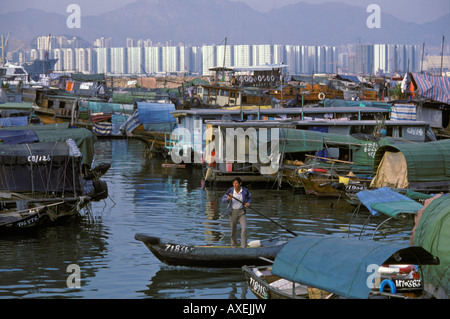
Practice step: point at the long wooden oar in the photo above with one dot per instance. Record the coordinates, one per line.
(288, 230)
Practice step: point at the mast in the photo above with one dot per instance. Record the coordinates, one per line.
(442, 55)
(423, 51)
(3, 46)
(224, 58)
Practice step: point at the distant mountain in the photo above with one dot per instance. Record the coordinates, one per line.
(200, 22)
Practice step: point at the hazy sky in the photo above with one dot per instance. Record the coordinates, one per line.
(419, 11)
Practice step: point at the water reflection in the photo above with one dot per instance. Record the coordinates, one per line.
(197, 283)
(35, 264)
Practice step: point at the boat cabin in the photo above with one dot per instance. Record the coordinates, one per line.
(224, 96)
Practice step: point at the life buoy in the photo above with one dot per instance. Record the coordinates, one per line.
(391, 285)
(195, 102)
(321, 96)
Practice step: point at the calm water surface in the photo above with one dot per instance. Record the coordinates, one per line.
(144, 197)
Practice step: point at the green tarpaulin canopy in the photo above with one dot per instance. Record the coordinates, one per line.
(425, 162)
(84, 138)
(433, 234)
(363, 149)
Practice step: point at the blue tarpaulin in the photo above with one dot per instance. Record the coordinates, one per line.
(18, 137)
(14, 121)
(154, 113)
(387, 201)
(349, 78)
(153, 117)
(342, 266)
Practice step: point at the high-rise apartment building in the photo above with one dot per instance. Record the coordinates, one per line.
(170, 59)
(59, 54)
(104, 60)
(209, 59)
(86, 60)
(242, 55)
(387, 58)
(119, 60)
(152, 58)
(69, 60)
(135, 60)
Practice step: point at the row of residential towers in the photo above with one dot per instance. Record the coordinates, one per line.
(363, 59)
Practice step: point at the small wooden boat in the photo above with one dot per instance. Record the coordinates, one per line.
(211, 256)
(320, 182)
(264, 285)
(391, 281)
(309, 260)
(23, 219)
(39, 212)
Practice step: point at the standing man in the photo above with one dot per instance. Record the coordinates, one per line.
(236, 210)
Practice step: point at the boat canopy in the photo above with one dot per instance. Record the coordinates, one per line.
(40, 167)
(436, 88)
(312, 261)
(154, 113)
(433, 234)
(105, 107)
(362, 146)
(412, 165)
(18, 136)
(389, 202)
(348, 78)
(83, 137)
(350, 103)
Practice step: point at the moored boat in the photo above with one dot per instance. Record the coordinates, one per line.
(181, 254)
(39, 212)
(264, 285)
(310, 260)
(46, 176)
(400, 281)
(418, 170)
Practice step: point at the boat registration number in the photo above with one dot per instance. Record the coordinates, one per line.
(408, 283)
(355, 188)
(178, 248)
(26, 222)
(257, 288)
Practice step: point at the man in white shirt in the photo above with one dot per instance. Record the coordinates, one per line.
(238, 198)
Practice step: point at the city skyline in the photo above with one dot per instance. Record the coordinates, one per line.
(146, 58)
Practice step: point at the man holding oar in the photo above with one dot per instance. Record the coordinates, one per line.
(238, 199)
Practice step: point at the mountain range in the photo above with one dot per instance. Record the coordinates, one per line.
(198, 22)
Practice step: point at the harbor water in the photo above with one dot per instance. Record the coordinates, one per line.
(145, 197)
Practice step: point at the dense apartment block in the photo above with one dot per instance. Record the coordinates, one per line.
(143, 57)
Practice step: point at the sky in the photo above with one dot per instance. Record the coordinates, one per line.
(419, 11)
